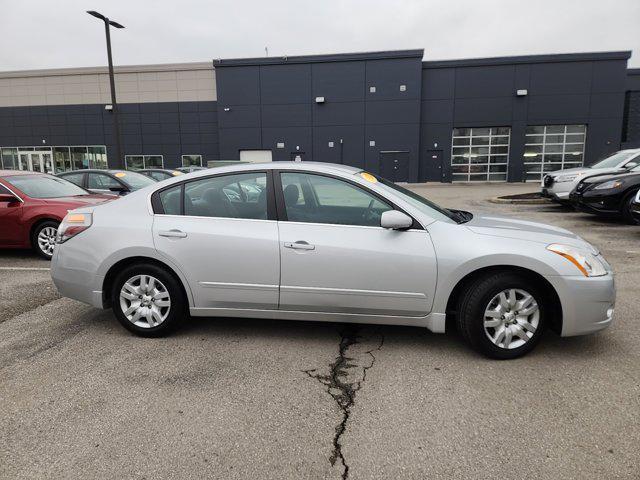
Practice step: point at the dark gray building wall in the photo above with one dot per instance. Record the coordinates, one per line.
(631, 120)
(266, 102)
(170, 129)
(562, 89)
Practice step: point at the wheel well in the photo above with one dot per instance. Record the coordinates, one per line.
(117, 267)
(36, 224)
(550, 292)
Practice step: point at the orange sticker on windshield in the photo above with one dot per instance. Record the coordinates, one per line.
(121, 174)
(368, 177)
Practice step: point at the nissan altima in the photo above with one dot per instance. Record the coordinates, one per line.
(323, 242)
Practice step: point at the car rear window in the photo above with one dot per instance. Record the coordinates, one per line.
(45, 186)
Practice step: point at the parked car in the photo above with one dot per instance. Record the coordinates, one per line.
(329, 242)
(159, 174)
(114, 182)
(32, 205)
(559, 184)
(635, 208)
(609, 195)
(190, 169)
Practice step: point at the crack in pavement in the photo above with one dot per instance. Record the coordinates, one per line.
(346, 376)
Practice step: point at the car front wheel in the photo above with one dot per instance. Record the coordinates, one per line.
(44, 238)
(502, 315)
(148, 301)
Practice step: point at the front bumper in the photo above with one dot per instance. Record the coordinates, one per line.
(587, 302)
(605, 205)
(558, 191)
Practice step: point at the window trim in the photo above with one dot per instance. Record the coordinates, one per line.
(8, 189)
(190, 155)
(144, 162)
(282, 212)
(158, 209)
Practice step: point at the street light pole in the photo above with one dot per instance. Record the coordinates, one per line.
(112, 83)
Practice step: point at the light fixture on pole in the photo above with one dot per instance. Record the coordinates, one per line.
(112, 83)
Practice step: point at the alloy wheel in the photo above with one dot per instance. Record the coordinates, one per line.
(511, 318)
(145, 301)
(47, 240)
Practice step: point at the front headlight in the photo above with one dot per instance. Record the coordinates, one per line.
(585, 261)
(609, 185)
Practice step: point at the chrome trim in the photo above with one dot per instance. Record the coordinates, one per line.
(352, 291)
(239, 286)
(12, 192)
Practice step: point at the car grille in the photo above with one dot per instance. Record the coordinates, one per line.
(548, 180)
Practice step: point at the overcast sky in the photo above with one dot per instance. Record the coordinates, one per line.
(58, 33)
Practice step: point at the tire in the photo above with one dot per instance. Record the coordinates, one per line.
(480, 298)
(43, 238)
(626, 209)
(161, 304)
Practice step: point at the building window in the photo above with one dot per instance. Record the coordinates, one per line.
(138, 162)
(65, 158)
(480, 154)
(191, 160)
(553, 147)
(9, 158)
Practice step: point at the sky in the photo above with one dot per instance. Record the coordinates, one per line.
(58, 33)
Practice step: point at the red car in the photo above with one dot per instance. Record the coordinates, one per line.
(32, 205)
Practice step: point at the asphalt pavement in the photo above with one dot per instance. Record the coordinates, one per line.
(236, 398)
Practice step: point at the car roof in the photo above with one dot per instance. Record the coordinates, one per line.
(286, 165)
(94, 170)
(13, 173)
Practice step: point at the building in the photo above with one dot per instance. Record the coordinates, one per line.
(494, 119)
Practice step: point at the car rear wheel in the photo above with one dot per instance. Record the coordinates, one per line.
(148, 301)
(502, 315)
(44, 238)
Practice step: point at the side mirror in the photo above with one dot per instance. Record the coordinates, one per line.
(395, 220)
(631, 165)
(119, 190)
(7, 198)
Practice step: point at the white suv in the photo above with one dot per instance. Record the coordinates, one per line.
(559, 184)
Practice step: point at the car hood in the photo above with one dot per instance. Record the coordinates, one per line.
(80, 200)
(610, 176)
(506, 227)
(586, 171)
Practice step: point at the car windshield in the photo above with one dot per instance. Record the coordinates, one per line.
(45, 186)
(614, 160)
(429, 208)
(134, 180)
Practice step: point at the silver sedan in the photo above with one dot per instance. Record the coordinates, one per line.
(307, 241)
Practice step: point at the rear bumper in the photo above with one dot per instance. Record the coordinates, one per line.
(74, 280)
(587, 302)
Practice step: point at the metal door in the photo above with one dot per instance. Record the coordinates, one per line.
(433, 168)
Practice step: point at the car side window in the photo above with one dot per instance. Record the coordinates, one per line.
(159, 176)
(318, 199)
(74, 178)
(228, 196)
(101, 181)
(170, 200)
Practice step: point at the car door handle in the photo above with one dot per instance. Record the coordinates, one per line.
(172, 233)
(299, 245)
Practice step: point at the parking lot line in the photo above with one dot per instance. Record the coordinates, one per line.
(25, 269)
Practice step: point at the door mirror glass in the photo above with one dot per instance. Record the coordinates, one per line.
(7, 198)
(395, 220)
